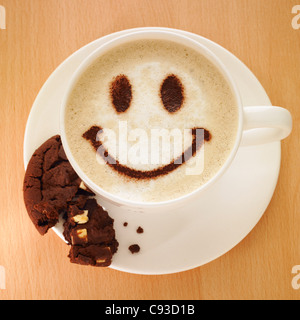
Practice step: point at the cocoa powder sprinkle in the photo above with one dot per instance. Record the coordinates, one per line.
(91, 136)
(121, 93)
(172, 93)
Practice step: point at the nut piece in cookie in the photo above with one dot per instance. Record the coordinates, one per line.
(81, 218)
(49, 184)
(81, 236)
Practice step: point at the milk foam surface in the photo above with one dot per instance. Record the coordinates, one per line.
(208, 103)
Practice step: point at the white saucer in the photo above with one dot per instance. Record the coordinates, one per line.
(208, 227)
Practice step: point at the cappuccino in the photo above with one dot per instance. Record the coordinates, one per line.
(151, 121)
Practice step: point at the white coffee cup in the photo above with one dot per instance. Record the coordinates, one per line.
(267, 123)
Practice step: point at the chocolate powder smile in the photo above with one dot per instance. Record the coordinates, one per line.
(172, 97)
(91, 136)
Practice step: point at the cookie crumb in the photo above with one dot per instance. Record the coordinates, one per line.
(140, 230)
(134, 248)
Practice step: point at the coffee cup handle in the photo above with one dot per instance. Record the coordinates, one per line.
(265, 124)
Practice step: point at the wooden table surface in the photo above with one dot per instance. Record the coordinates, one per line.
(39, 35)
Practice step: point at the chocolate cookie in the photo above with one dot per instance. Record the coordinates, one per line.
(52, 187)
(49, 184)
(89, 230)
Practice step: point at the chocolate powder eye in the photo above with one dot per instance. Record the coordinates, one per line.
(121, 93)
(172, 93)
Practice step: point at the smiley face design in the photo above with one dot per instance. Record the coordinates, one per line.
(172, 95)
